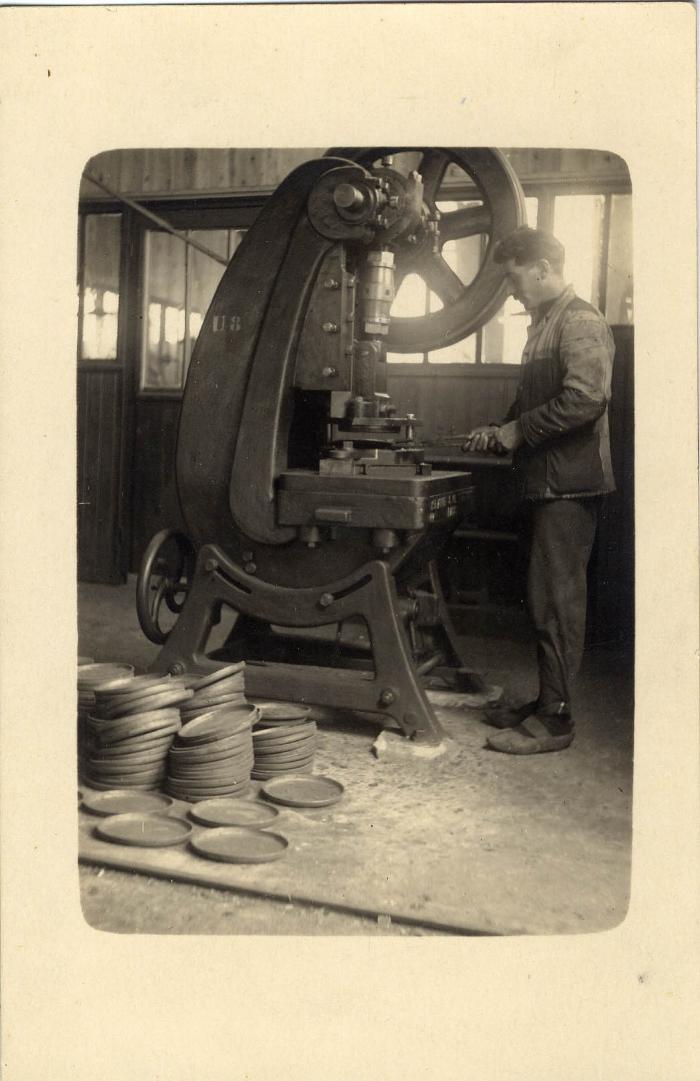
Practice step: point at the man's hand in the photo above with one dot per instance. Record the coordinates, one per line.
(508, 437)
(482, 438)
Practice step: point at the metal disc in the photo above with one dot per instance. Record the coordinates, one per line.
(232, 844)
(144, 830)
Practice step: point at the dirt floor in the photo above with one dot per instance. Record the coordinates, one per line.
(495, 844)
(139, 904)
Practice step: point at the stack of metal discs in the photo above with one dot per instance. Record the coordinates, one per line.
(223, 687)
(212, 755)
(132, 726)
(284, 741)
(91, 675)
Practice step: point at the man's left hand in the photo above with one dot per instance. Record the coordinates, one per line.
(509, 436)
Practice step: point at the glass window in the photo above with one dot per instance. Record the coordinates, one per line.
(164, 345)
(180, 282)
(504, 336)
(578, 224)
(101, 248)
(619, 300)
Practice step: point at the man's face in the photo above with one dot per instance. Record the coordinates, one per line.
(525, 282)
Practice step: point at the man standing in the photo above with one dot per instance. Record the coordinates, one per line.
(557, 429)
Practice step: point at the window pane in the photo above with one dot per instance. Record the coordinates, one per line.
(100, 308)
(180, 282)
(505, 335)
(410, 299)
(163, 351)
(204, 274)
(619, 302)
(463, 352)
(235, 236)
(532, 205)
(405, 358)
(578, 224)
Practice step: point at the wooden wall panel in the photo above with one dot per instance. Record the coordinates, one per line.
(154, 494)
(185, 171)
(192, 171)
(453, 403)
(100, 417)
(611, 574)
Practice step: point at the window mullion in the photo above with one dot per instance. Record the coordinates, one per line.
(604, 256)
(545, 212)
(81, 281)
(186, 345)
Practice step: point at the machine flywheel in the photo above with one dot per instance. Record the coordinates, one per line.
(483, 181)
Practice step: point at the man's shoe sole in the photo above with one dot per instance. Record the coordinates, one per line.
(529, 737)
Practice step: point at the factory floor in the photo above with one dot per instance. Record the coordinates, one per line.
(475, 842)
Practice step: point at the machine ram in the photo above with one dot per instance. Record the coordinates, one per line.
(308, 503)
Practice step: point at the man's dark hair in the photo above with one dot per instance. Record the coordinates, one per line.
(526, 245)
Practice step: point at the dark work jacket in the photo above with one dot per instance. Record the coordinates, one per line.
(562, 402)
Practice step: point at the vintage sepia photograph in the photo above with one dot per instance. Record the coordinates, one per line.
(355, 434)
(349, 549)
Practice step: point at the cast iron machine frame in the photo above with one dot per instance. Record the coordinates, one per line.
(306, 497)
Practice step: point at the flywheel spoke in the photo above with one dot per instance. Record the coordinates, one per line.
(432, 169)
(177, 589)
(468, 221)
(442, 279)
(160, 592)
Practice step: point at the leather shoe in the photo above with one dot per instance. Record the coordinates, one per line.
(508, 715)
(534, 735)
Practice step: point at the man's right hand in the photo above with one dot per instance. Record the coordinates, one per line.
(483, 438)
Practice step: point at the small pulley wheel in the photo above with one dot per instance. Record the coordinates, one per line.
(165, 575)
(494, 206)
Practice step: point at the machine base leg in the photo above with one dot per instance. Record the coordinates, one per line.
(393, 690)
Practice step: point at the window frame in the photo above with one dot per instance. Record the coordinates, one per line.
(235, 212)
(239, 212)
(545, 191)
(85, 210)
(207, 212)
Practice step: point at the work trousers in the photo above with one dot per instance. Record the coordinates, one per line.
(562, 532)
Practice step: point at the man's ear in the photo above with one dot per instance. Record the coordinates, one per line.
(544, 267)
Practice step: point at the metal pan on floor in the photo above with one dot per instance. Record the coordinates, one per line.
(233, 844)
(282, 713)
(224, 811)
(213, 747)
(216, 724)
(144, 830)
(123, 801)
(197, 682)
(298, 790)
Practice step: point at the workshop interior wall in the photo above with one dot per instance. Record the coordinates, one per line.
(182, 172)
(127, 438)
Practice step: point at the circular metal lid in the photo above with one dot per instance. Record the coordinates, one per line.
(233, 812)
(297, 790)
(197, 682)
(144, 830)
(233, 844)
